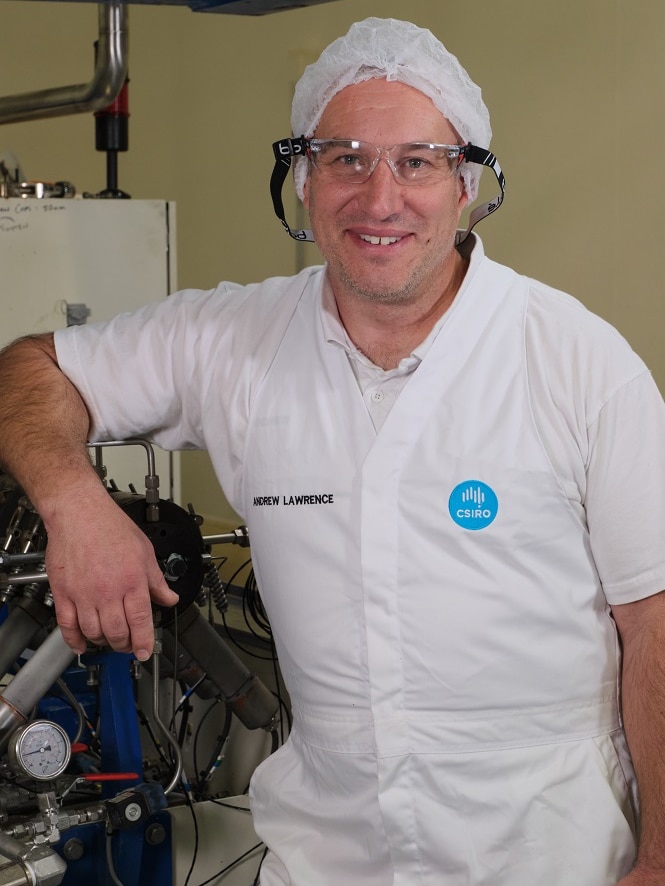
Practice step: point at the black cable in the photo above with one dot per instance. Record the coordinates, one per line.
(255, 614)
(222, 738)
(260, 637)
(195, 762)
(151, 732)
(237, 572)
(66, 694)
(233, 864)
(242, 648)
(186, 708)
(258, 872)
(252, 602)
(196, 837)
(278, 686)
(218, 802)
(255, 604)
(287, 717)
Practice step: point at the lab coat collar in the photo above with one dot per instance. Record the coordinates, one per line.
(336, 334)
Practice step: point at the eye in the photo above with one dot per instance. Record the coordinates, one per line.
(424, 163)
(415, 162)
(348, 160)
(415, 167)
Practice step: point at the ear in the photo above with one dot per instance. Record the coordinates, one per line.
(305, 193)
(462, 196)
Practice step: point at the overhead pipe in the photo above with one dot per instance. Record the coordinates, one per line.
(107, 81)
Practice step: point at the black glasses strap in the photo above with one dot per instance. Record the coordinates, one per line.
(286, 148)
(283, 151)
(474, 154)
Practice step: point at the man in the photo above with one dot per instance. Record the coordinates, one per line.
(438, 462)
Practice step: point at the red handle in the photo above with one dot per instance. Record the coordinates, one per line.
(111, 776)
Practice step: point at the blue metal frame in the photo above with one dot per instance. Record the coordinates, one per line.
(142, 855)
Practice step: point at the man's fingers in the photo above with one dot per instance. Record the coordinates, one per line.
(69, 627)
(160, 592)
(116, 632)
(111, 605)
(138, 616)
(163, 595)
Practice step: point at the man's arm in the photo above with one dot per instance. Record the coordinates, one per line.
(101, 567)
(642, 629)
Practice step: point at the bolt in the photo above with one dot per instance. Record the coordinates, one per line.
(155, 834)
(74, 849)
(133, 812)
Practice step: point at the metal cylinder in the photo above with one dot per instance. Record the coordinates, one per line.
(250, 699)
(107, 81)
(32, 682)
(20, 626)
(13, 874)
(32, 865)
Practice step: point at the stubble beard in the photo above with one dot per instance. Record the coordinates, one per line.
(374, 294)
(429, 273)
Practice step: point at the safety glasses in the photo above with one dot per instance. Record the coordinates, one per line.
(356, 160)
(352, 162)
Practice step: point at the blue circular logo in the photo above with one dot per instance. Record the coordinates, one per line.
(473, 505)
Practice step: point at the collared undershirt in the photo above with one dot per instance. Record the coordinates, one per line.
(379, 387)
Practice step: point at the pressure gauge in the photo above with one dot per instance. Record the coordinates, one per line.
(40, 749)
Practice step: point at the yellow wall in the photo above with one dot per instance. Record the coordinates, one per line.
(574, 89)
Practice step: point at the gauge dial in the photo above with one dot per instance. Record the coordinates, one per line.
(40, 749)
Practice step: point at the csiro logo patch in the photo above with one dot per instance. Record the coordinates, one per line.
(473, 505)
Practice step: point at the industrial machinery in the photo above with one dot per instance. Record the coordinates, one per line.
(99, 752)
(91, 755)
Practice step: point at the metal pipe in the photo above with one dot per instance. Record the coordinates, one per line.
(251, 701)
(42, 866)
(31, 683)
(151, 478)
(22, 578)
(239, 536)
(21, 625)
(107, 81)
(21, 559)
(177, 774)
(132, 441)
(14, 874)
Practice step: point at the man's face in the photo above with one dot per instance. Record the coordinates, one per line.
(419, 220)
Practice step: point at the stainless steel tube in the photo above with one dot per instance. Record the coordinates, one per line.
(32, 682)
(107, 81)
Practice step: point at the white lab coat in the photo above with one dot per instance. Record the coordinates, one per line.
(454, 688)
(454, 683)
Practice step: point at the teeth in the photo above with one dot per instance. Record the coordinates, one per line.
(379, 241)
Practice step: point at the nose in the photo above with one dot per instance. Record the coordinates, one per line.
(382, 195)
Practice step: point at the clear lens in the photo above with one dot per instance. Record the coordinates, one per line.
(354, 161)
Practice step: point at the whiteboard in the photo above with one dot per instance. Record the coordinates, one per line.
(106, 255)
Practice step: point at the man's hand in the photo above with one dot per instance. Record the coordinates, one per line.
(101, 567)
(103, 574)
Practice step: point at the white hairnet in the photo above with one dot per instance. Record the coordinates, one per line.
(400, 51)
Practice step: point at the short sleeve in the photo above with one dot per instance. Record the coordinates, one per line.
(184, 372)
(601, 420)
(625, 496)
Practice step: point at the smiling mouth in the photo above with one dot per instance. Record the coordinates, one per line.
(379, 241)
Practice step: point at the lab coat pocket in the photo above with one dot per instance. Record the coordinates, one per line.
(614, 757)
